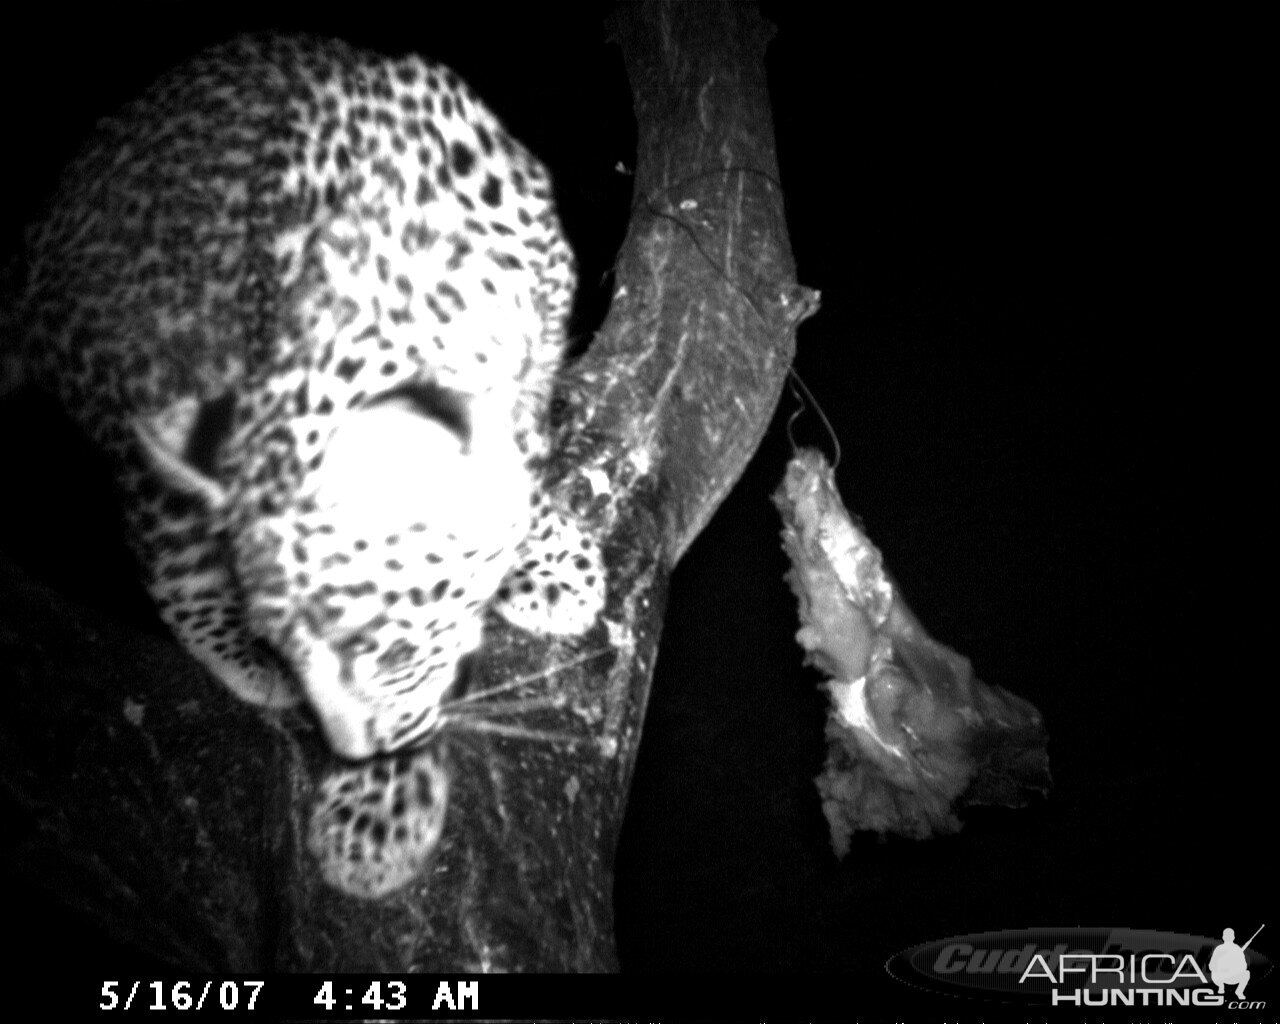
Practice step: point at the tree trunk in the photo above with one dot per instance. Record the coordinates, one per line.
(134, 782)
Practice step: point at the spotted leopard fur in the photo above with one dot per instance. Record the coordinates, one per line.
(374, 827)
(310, 302)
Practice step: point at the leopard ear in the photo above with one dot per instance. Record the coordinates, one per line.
(181, 442)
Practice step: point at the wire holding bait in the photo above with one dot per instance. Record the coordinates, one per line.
(795, 381)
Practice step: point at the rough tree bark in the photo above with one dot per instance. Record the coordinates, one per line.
(135, 781)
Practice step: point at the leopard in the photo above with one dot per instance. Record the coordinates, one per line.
(310, 303)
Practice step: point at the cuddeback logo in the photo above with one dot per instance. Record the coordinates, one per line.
(1088, 967)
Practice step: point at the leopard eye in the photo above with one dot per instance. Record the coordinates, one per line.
(357, 643)
(211, 428)
(450, 408)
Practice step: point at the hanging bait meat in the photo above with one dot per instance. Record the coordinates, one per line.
(912, 734)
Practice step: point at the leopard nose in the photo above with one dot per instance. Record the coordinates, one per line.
(347, 720)
(349, 737)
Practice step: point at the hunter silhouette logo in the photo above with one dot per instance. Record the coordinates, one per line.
(1227, 966)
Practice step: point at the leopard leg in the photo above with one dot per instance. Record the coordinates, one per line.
(373, 826)
(558, 586)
